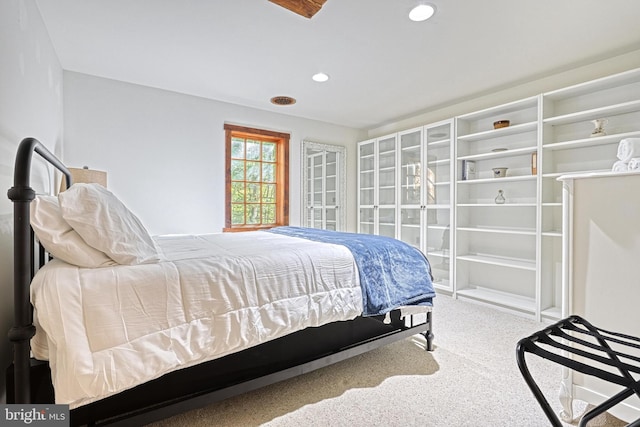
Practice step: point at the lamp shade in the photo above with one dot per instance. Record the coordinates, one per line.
(85, 175)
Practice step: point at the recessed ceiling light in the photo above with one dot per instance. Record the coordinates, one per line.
(320, 77)
(422, 12)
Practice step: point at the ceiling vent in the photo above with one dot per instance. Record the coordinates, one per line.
(283, 100)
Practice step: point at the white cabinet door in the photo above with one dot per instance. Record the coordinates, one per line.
(438, 195)
(387, 191)
(367, 187)
(377, 181)
(410, 187)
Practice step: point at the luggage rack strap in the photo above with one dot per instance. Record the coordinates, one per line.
(575, 338)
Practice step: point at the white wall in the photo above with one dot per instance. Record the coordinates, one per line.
(164, 151)
(30, 106)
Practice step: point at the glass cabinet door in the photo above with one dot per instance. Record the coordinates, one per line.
(367, 174)
(411, 198)
(438, 173)
(367, 187)
(386, 201)
(438, 189)
(411, 168)
(387, 172)
(377, 186)
(387, 221)
(367, 220)
(411, 226)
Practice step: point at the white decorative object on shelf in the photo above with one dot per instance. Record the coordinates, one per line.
(500, 198)
(499, 172)
(628, 148)
(599, 127)
(634, 164)
(468, 170)
(620, 166)
(534, 163)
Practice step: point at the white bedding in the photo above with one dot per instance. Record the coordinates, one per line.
(108, 329)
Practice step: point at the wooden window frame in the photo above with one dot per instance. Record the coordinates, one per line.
(282, 174)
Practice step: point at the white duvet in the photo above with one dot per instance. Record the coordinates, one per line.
(108, 329)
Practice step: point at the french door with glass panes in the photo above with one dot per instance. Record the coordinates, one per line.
(322, 189)
(377, 186)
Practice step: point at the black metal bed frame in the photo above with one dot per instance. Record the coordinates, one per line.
(575, 343)
(29, 380)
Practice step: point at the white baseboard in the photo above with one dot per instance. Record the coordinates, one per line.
(625, 411)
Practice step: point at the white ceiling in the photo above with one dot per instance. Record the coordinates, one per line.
(383, 67)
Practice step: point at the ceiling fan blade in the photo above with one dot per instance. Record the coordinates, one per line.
(306, 8)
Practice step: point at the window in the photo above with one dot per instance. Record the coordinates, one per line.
(257, 178)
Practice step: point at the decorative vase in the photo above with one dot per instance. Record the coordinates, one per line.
(500, 198)
(599, 127)
(499, 172)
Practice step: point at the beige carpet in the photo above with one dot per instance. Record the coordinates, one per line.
(470, 379)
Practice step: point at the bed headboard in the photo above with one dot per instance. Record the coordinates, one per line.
(24, 256)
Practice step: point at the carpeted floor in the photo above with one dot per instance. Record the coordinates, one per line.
(470, 379)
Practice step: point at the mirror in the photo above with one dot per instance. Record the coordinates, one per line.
(323, 186)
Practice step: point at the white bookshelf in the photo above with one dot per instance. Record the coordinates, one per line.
(510, 255)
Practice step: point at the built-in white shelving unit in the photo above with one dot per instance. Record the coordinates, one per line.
(508, 255)
(496, 257)
(567, 147)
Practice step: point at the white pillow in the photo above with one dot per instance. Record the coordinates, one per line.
(59, 239)
(105, 223)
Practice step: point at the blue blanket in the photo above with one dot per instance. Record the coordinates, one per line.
(392, 273)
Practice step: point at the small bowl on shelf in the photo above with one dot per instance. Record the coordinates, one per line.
(501, 124)
(499, 172)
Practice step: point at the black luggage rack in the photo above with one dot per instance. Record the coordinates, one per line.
(578, 345)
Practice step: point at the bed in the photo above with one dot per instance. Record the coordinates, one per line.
(127, 328)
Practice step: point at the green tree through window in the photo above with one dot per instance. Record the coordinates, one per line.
(257, 178)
